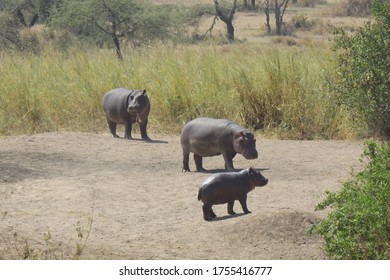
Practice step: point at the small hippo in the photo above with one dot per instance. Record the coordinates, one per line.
(124, 106)
(206, 137)
(226, 188)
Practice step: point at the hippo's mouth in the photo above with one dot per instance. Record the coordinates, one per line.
(250, 155)
(264, 183)
(133, 110)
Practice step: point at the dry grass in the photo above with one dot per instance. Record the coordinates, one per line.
(56, 91)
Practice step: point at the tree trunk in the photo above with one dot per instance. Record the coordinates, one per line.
(33, 21)
(230, 31)
(117, 47)
(245, 4)
(278, 22)
(227, 19)
(267, 18)
(22, 20)
(253, 3)
(21, 17)
(280, 9)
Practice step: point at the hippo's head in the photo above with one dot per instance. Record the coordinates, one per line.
(256, 179)
(137, 101)
(245, 144)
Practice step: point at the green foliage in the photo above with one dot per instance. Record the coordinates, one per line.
(133, 21)
(301, 21)
(363, 70)
(9, 35)
(25, 10)
(359, 225)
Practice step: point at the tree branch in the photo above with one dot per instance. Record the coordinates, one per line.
(210, 30)
(103, 29)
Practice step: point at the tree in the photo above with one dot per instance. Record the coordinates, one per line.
(27, 12)
(117, 21)
(279, 7)
(227, 18)
(363, 70)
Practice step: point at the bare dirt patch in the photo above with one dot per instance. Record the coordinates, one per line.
(143, 207)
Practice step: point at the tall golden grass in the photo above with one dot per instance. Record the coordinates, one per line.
(276, 90)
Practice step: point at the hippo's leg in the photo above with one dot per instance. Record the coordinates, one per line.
(212, 214)
(242, 201)
(144, 135)
(186, 158)
(112, 127)
(208, 213)
(228, 161)
(198, 162)
(230, 208)
(128, 127)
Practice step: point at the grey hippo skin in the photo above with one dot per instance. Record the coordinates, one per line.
(227, 187)
(124, 106)
(206, 137)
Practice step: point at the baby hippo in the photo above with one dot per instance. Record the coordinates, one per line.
(226, 188)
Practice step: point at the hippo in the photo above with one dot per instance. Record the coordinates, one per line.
(227, 187)
(206, 137)
(124, 106)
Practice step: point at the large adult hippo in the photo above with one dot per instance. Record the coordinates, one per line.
(206, 137)
(226, 188)
(124, 106)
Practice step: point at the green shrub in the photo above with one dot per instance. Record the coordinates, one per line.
(301, 21)
(363, 70)
(359, 225)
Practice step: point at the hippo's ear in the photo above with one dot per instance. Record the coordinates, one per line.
(253, 171)
(144, 92)
(242, 135)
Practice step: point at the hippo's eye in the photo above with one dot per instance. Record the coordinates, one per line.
(131, 97)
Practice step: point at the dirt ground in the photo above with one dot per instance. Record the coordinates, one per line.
(119, 199)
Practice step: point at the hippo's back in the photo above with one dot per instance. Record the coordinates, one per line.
(114, 98)
(204, 136)
(224, 187)
(205, 129)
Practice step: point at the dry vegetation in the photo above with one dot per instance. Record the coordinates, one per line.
(52, 181)
(324, 15)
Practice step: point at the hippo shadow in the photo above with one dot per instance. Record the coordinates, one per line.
(227, 217)
(149, 142)
(212, 171)
(224, 170)
(157, 142)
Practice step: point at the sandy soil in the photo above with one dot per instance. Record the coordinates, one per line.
(139, 205)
